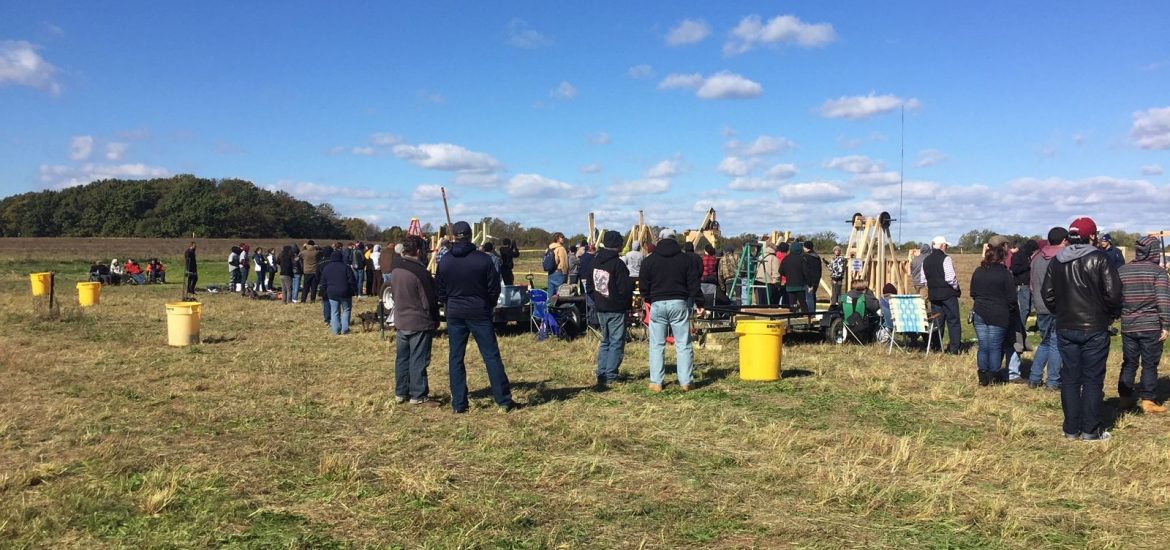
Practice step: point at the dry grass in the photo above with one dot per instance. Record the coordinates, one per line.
(275, 434)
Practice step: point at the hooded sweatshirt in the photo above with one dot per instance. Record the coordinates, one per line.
(1145, 290)
(561, 254)
(375, 256)
(668, 274)
(337, 278)
(613, 291)
(633, 258)
(768, 268)
(468, 283)
(794, 271)
(1039, 269)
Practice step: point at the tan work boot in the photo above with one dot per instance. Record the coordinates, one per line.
(654, 388)
(684, 388)
(1151, 407)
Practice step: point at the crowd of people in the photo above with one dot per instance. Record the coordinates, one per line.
(1078, 284)
(130, 272)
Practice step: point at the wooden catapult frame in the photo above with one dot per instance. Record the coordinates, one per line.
(639, 232)
(871, 243)
(708, 229)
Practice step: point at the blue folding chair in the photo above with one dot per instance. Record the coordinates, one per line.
(541, 320)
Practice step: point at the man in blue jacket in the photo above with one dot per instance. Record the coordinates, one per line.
(469, 286)
(340, 286)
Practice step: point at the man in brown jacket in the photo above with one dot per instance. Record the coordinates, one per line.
(310, 257)
(416, 316)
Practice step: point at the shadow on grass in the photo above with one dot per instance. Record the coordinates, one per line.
(795, 373)
(544, 394)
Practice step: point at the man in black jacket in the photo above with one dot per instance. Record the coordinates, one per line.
(812, 275)
(469, 286)
(795, 275)
(1084, 292)
(416, 316)
(190, 268)
(612, 291)
(942, 288)
(508, 253)
(670, 282)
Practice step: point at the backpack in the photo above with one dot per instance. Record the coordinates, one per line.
(855, 316)
(549, 261)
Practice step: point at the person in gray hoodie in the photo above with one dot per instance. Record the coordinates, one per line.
(633, 260)
(1048, 350)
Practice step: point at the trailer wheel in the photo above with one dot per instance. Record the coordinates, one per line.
(835, 332)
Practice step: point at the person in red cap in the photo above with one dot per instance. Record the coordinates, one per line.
(1084, 292)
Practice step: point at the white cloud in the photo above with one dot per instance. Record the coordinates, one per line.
(364, 151)
(591, 168)
(1152, 170)
(645, 186)
(736, 166)
(482, 181)
(317, 192)
(855, 164)
(116, 150)
(865, 106)
(641, 72)
(781, 171)
(784, 29)
(384, 139)
(762, 146)
(929, 157)
(521, 35)
(563, 91)
(675, 81)
(430, 192)
(1151, 128)
(21, 65)
(752, 184)
(80, 147)
(688, 31)
(446, 156)
(727, 85)
(336, 150)
(540, 187)
(722, 85)
(600, 138)
(819, 191)
(877, 178)
(60, 176)
(664, 169)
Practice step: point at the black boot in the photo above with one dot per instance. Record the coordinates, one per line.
(984, 378)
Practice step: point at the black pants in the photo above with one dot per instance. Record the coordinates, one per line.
(1082, 379)
(798, 300)
(950, 316)
(309, 290)
(191, 279)
(1144, 347)
(507, 275)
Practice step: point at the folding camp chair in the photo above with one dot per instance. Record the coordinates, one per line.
(911, 317)
(540, 321)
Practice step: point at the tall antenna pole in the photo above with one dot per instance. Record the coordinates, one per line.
(902, 173)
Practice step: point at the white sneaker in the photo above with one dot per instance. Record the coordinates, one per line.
(1103, 436)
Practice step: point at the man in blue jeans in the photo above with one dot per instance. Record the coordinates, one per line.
(1084, 292)
(339, 284)
(560, 273)
(612, 292)
(669, 281)
(1145, 324)
(469, 286)
(1048, 351)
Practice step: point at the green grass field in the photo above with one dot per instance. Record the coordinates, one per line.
(274, 434)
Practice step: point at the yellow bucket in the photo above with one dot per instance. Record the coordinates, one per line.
(40, 283)
(760, 347)
(89, 294)
(183, 323)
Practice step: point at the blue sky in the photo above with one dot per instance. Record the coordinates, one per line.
(1018, 116)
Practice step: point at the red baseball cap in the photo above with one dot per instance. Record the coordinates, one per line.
(1082, 227)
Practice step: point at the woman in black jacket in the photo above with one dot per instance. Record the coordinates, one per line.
(994, 291)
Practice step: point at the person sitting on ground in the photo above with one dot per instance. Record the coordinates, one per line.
(95, 272)
(117, 272)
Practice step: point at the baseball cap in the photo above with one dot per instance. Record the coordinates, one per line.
(939, 241)
(1107, 238)
(1082, 227)
(461, 229)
